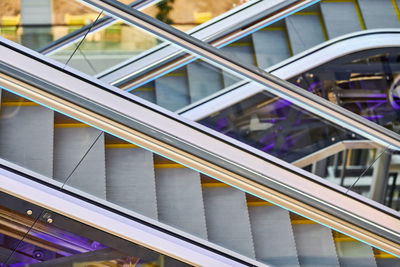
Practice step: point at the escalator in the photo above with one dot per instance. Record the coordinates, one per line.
(117, 174)
(161, 132)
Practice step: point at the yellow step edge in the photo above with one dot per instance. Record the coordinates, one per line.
(168, 165)
(175, 74)
(273, 29)
(209, 185)
(303, 13)
(344, 239)
(121, 146)
(19, 103)
(144, 89)
(258, 204)
(71, 125)
(240, 44)
(384, 255)
(302, 221)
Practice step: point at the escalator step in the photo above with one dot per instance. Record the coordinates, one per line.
(130, 178)
(378, 14)
(273, 236)
(180, 200)
(172, 91)
(26, 136)
(340, 18)
(70, 146)
(227, 219)
(204, 80)
(271, 47)
(315, 245)
(304, 30)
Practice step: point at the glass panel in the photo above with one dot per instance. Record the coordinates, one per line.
(50, 20)
(366, 83)
(186, 14)
(102, 167)
(33, 236)
(106, 48)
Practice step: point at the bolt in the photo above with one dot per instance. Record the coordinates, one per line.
(29, 212)
(49, 220)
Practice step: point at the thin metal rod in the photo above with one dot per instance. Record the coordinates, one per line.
(81, 160)
(77, 47)
(23, 237)
(362, 174)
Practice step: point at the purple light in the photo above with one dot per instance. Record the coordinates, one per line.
(373, 117)
(268, 147)
(312, 86)
(221, 123)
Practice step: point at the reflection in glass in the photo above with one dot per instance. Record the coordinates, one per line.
(33, 236)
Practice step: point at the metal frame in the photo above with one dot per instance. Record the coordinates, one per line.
(300, 63)
(334, 149)
(130, 118)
